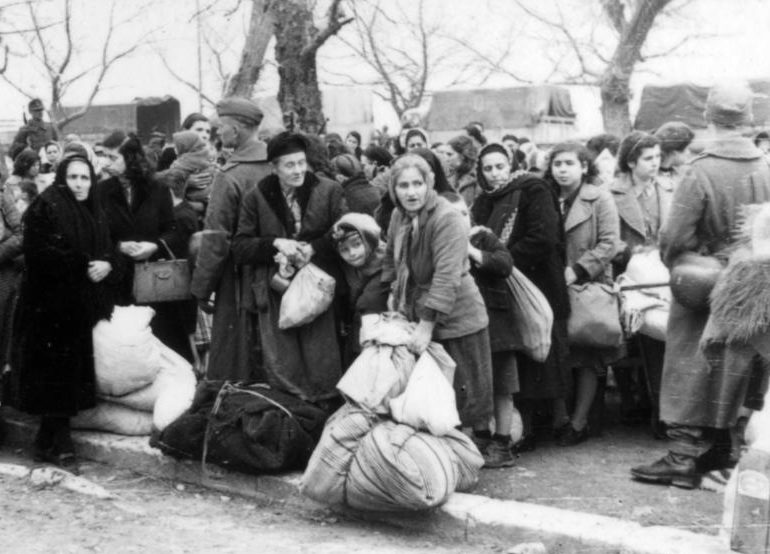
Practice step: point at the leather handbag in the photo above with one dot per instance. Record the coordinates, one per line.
(162, 280)
(594, 319)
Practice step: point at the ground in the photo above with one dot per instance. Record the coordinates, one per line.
(158, 516)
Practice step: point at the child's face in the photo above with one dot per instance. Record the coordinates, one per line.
(353, 251)
(461, 208)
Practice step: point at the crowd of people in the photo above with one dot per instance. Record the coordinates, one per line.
(429, 230)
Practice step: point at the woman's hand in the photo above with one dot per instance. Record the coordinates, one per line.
(421, 337)
(128, 247)
(474, 254)
(306, 253)
(143, 250)
(288, 247)
(200, 180)
(98, 270)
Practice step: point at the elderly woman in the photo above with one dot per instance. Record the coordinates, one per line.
(141, 220)
(523, 212)
(71, 267)
(461, 167)
(289, 215)
(591, 229)
(426, 261)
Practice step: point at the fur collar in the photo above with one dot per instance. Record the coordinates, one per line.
(740, 301)
(270, 187)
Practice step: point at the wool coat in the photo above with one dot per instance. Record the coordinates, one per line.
(52, 356)
(11, 263)
(592, 229)
(490, 275)
(235, 352)
(441, 286)
(304, 361)
(704, 212)
(633, 230)
(537, 246)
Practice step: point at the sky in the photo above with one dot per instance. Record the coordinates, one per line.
(729, 41)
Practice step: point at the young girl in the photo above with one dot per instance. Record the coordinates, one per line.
(491, 263)
(591, 228)
(357, 237)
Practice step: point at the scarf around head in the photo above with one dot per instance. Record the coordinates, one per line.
(192, 152)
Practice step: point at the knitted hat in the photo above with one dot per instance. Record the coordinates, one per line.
(286, 143)
(356, 223)
(729, 105)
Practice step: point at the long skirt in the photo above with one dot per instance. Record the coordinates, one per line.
(473, 376)
(549, 379)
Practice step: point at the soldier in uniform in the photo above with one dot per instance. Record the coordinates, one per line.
(35, 133)
(235, 347)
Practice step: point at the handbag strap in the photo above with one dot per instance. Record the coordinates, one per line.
(170, 253)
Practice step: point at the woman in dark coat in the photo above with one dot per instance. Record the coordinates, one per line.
(523, 212)
(290, 213)
(140, 216)
(68, 286)
(360, 195)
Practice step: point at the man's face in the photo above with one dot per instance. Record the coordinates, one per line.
(229, 129)
(37, 115)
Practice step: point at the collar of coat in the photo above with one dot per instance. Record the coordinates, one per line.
(252, 151)
(733, 147)
(627, 204)
(270, 187)
(582, 208)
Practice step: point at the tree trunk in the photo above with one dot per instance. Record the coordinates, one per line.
(298, 90)
(260, 32)
(616, 94)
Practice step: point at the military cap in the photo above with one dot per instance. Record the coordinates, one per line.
(35, 104)
(239, 107)
(286, 143)
(729, 105)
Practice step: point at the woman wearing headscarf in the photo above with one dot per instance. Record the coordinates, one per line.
(432, 285)
(461, 167)
(289, 215)
(415, 138)
(440, 185)
(68, 285)
(141, 220)
(522, 210)
(196, 122)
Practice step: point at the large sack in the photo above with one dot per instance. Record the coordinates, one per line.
(253, 429)
(428, 402)
(114, 418)
(168, 396)
(399, 468)
(533, 316)
(378, 374)
(467, 461)
(310, 294)
(327, 470)
(126, 354)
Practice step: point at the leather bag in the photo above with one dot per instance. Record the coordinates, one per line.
(162, 280)
(594, 319)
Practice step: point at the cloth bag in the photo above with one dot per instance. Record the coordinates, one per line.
(162, 280)
(310, 294)
(533, 316)
(594, 319)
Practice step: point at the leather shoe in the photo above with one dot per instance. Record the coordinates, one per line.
(671, 469)
(572, 436)
(717, 457)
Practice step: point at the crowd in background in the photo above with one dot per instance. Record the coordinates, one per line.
(428, 229)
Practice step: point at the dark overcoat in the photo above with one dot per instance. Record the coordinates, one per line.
(235, 346)
(537, 246)
(52, 356)
(360, 195)
(703, 220)
(305, 361)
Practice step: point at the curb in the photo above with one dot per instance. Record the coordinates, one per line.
(466, 517)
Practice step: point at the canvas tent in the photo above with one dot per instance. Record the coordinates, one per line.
(685, 102)
(526, 110)
(143, 115)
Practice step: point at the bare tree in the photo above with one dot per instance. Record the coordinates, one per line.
(51, 46)
(608, 50)
(261, 25)
(298, 40)
(428, 52)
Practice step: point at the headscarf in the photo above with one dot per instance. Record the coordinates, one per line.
(192, 152)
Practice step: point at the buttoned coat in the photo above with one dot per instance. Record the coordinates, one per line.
(305, 361)
(703, 218)
(235, 346)
(633, 231)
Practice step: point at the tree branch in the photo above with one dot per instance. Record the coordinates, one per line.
(336, 20)
(615, 11)
(184, 81)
